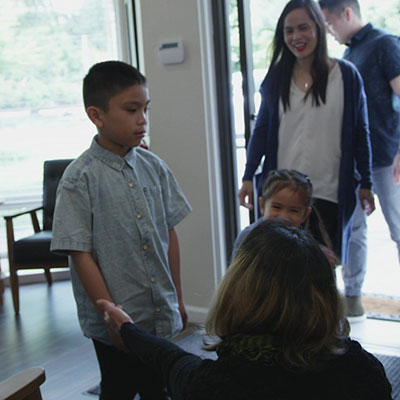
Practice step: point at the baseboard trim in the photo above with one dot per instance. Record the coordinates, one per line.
(197, 315)
(38, 277)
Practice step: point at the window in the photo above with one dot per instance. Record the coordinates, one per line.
(46, 48)
(263, 17)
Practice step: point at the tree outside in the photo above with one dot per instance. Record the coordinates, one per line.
(264, 16)
(46, 48)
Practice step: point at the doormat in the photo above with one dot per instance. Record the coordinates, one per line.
(392, 368)
(382, 306)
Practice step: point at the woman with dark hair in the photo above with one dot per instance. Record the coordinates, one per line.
(282, 335)
(313, 118)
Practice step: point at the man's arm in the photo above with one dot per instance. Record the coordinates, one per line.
(175, 267)
(395, 84)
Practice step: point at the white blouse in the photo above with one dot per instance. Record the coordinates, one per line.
(310, 136)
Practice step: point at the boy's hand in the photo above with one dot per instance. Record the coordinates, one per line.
(182, 311)
(114, 317)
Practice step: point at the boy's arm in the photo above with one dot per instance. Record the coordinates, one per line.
(93, 282)
(175, 267)
(90, 276)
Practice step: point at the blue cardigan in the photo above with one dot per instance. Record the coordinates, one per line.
(355, 161)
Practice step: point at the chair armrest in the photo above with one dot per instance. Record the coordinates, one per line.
(10, 226)
(24, 212)
(22, 384)
(34, 218)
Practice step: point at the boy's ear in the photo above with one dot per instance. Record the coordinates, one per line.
(94, 114)
(261, 205)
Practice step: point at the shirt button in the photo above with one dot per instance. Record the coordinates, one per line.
(138, 216)
(130, 184)
(145, 247)
(153, 279)
(158, 309)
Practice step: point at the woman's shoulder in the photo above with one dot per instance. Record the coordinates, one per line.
(270, 77)
(362, 371)
(346, 65)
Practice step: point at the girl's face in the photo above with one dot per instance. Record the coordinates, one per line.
(286, 204)
(300, 33)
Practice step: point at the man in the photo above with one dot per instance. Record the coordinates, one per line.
(376, 54)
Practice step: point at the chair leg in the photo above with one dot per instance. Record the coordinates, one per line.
(36, 395)
(48, 276)
(14, 288)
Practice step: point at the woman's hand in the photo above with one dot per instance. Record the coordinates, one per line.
(246, 191)
(367, 201)
(114, 317)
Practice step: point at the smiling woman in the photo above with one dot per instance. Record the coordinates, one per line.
(302, 123)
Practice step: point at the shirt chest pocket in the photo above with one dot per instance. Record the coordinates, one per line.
(155, 203)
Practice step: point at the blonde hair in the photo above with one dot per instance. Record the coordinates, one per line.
(281, 283)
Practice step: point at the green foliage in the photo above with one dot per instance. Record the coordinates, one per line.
(43, 53)
(264, 16)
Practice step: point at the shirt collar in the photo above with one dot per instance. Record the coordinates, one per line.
(360, 35)
(113, 160)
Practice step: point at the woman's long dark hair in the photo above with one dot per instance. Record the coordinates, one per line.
(283, 59)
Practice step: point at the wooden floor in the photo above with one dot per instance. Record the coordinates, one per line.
(47, 334)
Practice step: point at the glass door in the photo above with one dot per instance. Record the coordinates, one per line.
(252, 24)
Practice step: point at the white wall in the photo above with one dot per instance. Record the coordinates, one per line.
(183, 132)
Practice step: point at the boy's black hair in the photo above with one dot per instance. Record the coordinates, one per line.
(106, 79)
(337, 6)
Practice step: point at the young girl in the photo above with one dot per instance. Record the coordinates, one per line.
(287, 194)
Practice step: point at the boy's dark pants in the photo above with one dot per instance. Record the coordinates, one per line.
(123, 376)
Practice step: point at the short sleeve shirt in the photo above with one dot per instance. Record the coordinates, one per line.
(376, 54)
(120, 210)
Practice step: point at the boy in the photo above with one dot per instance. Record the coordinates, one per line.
(117, 206)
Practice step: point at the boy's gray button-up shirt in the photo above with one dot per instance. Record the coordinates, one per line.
(120, 210)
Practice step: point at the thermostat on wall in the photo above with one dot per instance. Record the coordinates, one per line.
(171, 52)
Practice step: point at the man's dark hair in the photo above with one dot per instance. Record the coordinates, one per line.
(337, 6)
(106, 79)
